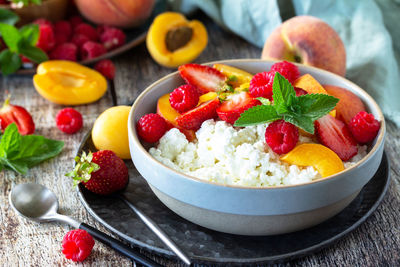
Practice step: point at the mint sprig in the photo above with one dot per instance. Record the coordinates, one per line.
(301, 111)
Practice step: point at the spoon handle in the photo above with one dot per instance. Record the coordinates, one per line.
(118, 246)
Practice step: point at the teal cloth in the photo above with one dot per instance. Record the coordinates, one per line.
(368, 28)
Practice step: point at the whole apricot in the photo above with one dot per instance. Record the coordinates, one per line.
(110, 131)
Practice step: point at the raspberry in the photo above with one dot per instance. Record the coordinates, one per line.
(43, 21)
(184, 98)
(79, 40)
(77, 245)
(287, 70)
(112, 38)
(91, 50)
(65, 51)
(46, 39)
(151, 127)
(106, 67)
(300, 91)
(87, 30)
(281, 136)
(261, 84)
(69, 120)
(62, 31)
(75, 21)
(364, 127)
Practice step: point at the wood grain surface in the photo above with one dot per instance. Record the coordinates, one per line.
(23, 243)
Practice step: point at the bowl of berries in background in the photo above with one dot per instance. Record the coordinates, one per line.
(345, 144)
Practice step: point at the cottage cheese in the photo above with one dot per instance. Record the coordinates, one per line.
(235, 156)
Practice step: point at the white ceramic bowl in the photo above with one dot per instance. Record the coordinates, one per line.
(252, 210)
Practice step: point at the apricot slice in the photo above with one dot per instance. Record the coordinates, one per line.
(207, 97)
(68, 83)
(173, 41)
(236, 76)
(323, 159)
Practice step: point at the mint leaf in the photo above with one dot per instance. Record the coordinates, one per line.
(283, 92)
(264, 101)
(33, 53)
(11, 36)
(29, 34)
(256, 115)
(10, 141)
(305, 123)
(316, 106)
(10, 62)
(8, 17)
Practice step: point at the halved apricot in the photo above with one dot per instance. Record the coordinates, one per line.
(173, 41)
(323, 159)
(68, 83)
(236, 76)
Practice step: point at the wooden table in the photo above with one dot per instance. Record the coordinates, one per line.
(23, 243)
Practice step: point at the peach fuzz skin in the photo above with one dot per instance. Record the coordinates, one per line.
(307, 40)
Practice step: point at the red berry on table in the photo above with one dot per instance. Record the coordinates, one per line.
(65, 51)
(75, 21)
(184, 98)
(91, 50)
(62, 31)
(16, 114)
(287, 70)
(205, 78)
(77, 245)
(87, 30)
(364, 127)
(112, 38)
(151, 127)
(46, 40)
(192, 119)
(69, 120)
(106, 67)
(235, 105)
(335, 135)
(79, 40)
(261, 84)
(281, 136)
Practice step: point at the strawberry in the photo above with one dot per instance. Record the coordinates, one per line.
(102, 172)
(192, 119)
(205, 78)
(235, 105)
(17, 114)
(334, 134)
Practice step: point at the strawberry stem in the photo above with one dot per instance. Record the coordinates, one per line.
(83, 168)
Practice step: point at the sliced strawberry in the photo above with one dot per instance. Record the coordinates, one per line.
(192, 119)
(17, 114)
(235, 105)
(334, 134)
(205, 78)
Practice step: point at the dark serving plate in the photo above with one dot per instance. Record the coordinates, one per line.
(205, 246)
(134, 37)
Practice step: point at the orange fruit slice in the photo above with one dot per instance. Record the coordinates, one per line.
(323, 159)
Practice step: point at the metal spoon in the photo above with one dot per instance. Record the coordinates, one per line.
(36, 202)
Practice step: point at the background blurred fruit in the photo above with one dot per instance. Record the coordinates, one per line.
(110, 131)
(307, 40)
(119, 13)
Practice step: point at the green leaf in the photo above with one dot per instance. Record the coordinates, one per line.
(10, 62)
(256, 115)
(264, 101)
(316, 106)
(29, 34)
(10, 141)
(305, 123)
(8, 17)
(11, 36)
(33, 53)
(282, 92)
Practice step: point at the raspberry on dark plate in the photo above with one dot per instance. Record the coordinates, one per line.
(91, 50)
(79, 40)
(112, 38)
(65, 51)
(261, 84)
(364, 127)
(287, 70)
(46, 40)
(77, 245)
(184, 98)
(281, 136)
(87, 30)
(69, 120)
(106, 67)
(62, 31)
(151, 127)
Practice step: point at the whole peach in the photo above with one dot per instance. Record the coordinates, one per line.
(118, 13)
(307, 40)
